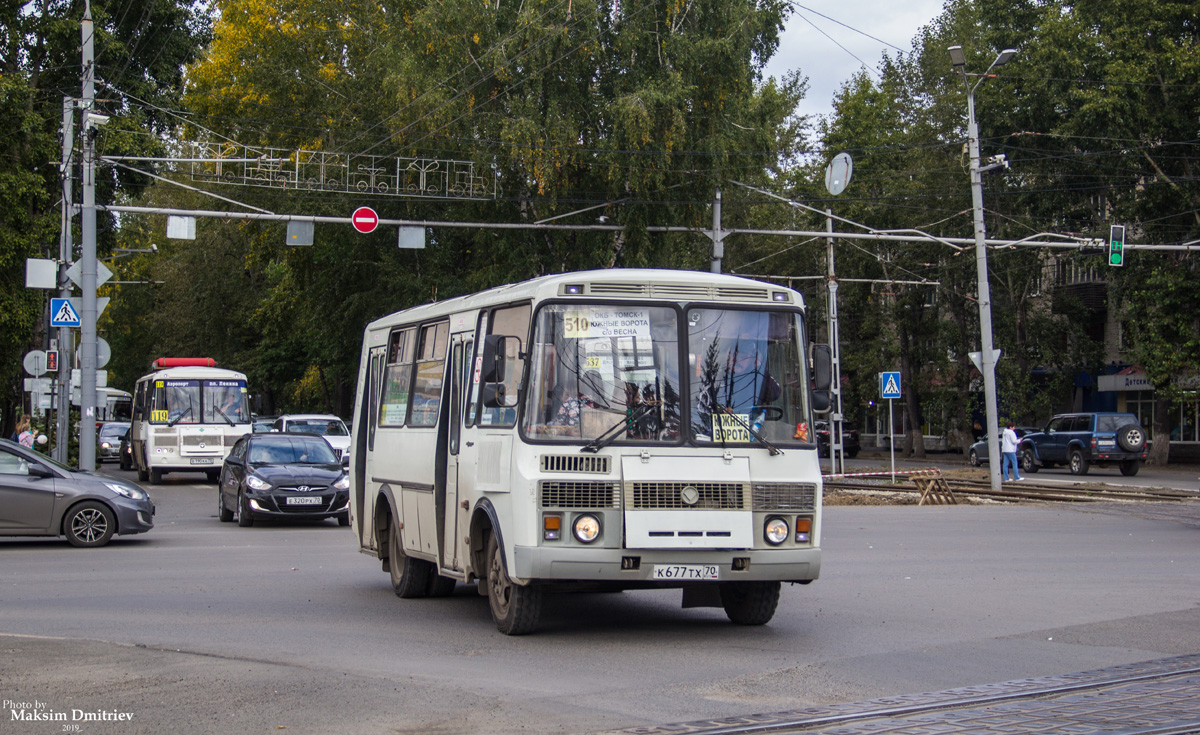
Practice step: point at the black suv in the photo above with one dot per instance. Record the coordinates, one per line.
(1080, 440)
(850, 443)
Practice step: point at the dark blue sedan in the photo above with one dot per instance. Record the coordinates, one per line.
(283, 476)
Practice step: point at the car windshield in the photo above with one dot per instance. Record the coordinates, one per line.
(292, 450)
(318, 427)
(111, 431)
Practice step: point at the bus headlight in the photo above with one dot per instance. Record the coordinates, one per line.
(776, 531)
(587, 528)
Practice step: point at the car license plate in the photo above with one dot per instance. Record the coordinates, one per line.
(304, 500)
(202, 460)
(684, 571)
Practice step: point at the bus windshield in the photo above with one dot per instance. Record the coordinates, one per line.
(601, 372)
(597, 369)
(746, 376)
(183, 401)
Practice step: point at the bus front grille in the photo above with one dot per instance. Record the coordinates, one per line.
(785, 496)
(671, 495)
(565, 494)
(576, 463)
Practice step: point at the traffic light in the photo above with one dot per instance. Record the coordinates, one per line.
(1116, 245)
(51, 361)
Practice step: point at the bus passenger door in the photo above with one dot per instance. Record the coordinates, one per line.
(453, 549)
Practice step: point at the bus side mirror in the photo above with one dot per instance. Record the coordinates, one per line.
(494, 395)
(822, 362)
(492, 367)
(822, 401)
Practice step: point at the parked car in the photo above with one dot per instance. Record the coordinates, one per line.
(40, 497)
(319, 424)
(850, 443)
(282, 476)
(262, 424)
(1079, 440)
(108, 440)
(125, 452)
(977, 454)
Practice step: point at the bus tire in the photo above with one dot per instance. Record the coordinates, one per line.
(156, 476)
(440, 586)
(515, 608)
(410, 577)
(143, 472)
(750, 603)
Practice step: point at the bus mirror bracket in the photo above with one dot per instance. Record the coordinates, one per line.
(822, 362)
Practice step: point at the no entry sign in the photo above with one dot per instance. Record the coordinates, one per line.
(364, 220)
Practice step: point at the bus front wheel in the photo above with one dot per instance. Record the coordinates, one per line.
(750, 603)
(410, 577)
(515, 608)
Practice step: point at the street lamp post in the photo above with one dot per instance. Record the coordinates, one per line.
(987, 358)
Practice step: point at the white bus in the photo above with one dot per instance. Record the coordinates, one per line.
(613, 429)
(186, 416)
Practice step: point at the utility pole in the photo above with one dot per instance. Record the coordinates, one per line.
(987, 358)
(66, 247)
(837, 453)
(87, 316)
(718, 237)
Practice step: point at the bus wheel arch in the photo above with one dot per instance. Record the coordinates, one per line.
(410, 577)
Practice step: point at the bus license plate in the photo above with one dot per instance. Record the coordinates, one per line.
(684, 571)
(304, 500)
(202, 460)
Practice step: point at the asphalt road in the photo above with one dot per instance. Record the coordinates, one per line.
(204, 627)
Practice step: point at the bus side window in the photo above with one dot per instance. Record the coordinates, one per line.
(513, 324)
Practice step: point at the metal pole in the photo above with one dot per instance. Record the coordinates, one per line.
(87, 317)
(837, 452)
(987, 357)
(892, 438)
(62, 437)
(716, 235)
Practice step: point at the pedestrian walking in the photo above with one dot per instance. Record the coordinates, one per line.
(1008, 446)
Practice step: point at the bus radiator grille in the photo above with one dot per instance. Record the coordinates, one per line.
(576, 463)
(565, 494)
(785, 496)
(669, 496)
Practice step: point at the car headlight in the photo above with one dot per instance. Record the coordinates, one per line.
(127, 491)
(343, 483)
(587, 528)
(256, 483)
(105, 445)
(776, 531)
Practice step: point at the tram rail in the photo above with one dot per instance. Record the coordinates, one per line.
(1027, 490)
(1102, 701)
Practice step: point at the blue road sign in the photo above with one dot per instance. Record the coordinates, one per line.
(63, 314)
(889, 385)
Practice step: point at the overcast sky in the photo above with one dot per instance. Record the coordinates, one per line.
(819, 56)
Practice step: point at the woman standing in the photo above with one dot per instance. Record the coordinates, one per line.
(24, 433)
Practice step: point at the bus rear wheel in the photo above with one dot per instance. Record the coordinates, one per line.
(750, 603)
(515, 608)
(410, 577)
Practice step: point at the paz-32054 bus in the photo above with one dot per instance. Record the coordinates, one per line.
(614, 429)
(187, 414)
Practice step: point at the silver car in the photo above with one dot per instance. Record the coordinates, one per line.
(40, 497)
(108, 441)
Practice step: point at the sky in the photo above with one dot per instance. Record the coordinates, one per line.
(819, 57)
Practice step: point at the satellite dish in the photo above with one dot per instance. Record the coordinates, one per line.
(837, 173)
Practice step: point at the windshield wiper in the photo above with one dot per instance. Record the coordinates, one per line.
(609, 436)
(179, 418)
(229, 420)
(727, 411)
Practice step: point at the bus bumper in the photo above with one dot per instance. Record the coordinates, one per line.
(637, 566)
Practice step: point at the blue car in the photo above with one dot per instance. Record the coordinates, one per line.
(1080, 440)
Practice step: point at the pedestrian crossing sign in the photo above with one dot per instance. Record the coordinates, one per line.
(889, 385)
(63, 314)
